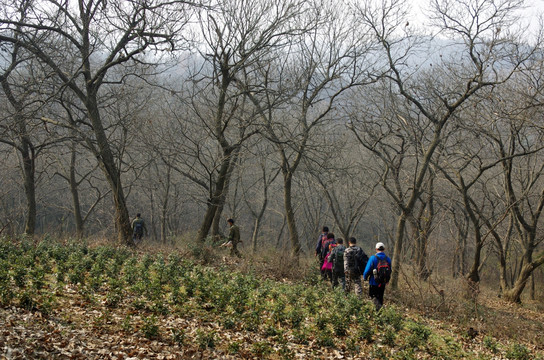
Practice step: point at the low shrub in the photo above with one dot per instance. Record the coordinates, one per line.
(205, 339)
(150, 328)
(418, 334)
(178, 336)
(261, 348)
(518, 352)
(491, 344)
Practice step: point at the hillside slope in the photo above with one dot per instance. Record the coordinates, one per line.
(79, 302)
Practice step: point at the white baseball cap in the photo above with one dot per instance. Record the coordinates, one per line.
(380, 246)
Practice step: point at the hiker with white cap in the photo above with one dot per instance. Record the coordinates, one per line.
(378, 274)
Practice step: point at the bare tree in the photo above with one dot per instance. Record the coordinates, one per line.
(256, 186)
(20, 78)
(308, 81)
(517, 133)
(346, 183)
(95, 37)
(233, 37)
(478, 55)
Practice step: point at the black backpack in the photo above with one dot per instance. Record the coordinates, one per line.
(356, 260)
(338, 258)
(362, 259)
(383, 271)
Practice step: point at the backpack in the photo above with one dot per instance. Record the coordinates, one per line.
(322, 239)
(325, 247)
(138, 227)
(338, 259)
(362, 259)
(353, 259)
(383, 271)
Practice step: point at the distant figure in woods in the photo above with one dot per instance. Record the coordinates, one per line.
(319, 246)
(233, 238)
(355, 261)
(378, 273)
(336, 257)
(138, 228)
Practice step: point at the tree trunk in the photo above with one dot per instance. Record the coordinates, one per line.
(106, 160)
(26, 149)
(290, 214)
(514, 294)
(280, 233)
(257, 225)
(474, 273)
(463, 260)
(221, 204)
(459, 258)
(532, 288)
(217, 197)
(254, 234)
(29, 185)
(396, 256)
(216, 223)
(164, 210)
(152, 228)
(78, 217)
(503, 280)
(421, 253)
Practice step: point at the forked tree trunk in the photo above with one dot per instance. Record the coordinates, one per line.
(514, 294)
(217, 197)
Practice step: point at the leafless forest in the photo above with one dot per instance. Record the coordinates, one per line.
(285, 115)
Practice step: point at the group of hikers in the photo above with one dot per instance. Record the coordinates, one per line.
(338, 264)
(346, 265)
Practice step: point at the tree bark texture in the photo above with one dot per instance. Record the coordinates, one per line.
(290, 213)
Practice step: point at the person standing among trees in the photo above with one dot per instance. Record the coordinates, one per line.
(319, 246)
(233, 238)
(378, 274)
(138, 228)
(355, 261)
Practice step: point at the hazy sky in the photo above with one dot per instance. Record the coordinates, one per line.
(529, 15)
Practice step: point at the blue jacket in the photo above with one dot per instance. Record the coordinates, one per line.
(373, 264)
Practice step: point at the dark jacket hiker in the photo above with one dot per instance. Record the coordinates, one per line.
(337, 259)
(138, 228)
(354, 261)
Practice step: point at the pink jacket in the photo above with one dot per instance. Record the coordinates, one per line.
(326, 264)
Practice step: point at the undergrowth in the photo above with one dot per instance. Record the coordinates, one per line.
(286, 315)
